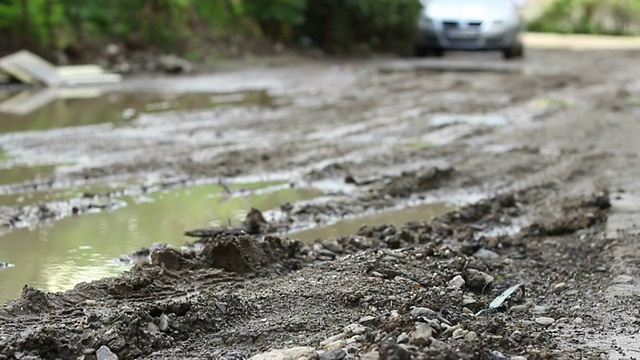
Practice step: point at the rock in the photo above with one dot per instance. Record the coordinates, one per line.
(518, 309)
(337, 354)
(471, 336)
(366, 319)
(559, 287)
(423, 311)
(578, 320)
(393, 352)
(518, 358)
(456, 283)
(451, 330)
(153, 328)
(173, 64)
(486, 254)
(543, 320)
(458, 334)
(374, 355)
(421, 335)
(355, 329)
(104, 353)
(333, 246)
(338, 344)
(332, 339)
(403, 338)
(477, 280)
(497, 355)
(296, 353)
(163, 324)
(539, 309)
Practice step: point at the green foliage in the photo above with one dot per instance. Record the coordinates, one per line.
(346, 25)
(182, 26)
(612, 17)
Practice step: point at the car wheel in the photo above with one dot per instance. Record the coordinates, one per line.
(438, 52)
(421, 51)
(514, 51)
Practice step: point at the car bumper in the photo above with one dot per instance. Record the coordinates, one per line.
(439, 39)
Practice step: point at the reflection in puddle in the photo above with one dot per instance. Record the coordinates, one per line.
(54, 108)
(351, 226)
(82, 249)
(450, 119)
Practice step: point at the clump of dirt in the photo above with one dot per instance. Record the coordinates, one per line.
(417, 181)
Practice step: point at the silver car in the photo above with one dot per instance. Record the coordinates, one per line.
(469, 25)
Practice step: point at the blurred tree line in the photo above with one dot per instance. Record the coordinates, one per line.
(611, 17)
(180, 26)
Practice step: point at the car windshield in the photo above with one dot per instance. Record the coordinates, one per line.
(496, 3)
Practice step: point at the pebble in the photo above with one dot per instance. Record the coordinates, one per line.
(354, 339)
(163, 324)
(327, 253)
(578, 320)
(423, 311)
(153, 328)
(456, 283)
(518, 358)
(421, 335)
(450, 330)
(403, 338)
(519, 309)
(497, 355)
(458, 334)
(486, 254)
(298, 353)
(355, 329)
(333, 246)
(560, 286)
(539, 309)
(543, 320)
(374, 355)
(332, 339)
(338, 344)
(471, 336)
(337, 354)
(90, 302)
(366, 319)
(104, 353)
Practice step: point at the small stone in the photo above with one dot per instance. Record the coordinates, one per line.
(366, 319)
(518, 309)
(163, 324)
(543, 320)
(338, 344)
(518, 358)
(296, 353)
(458, 334)
(394, 351)
(423, 311)
(435, 325)
(333, 246)
(104, 353)
(560, 286)
(332, 339)
(374, 355)
(497, 355)
(456, 283)
(578, 320)
(355, 329)
(450, 330)
(421, 335)
(471, 336)
(337, 354)
(486, 254)
(354, 339)
(403, 338)
(477, 280)
(153, 328)
(539, 309)
(622, 279)
(90, 302)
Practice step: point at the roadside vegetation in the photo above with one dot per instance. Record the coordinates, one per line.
(607, 17)
(203, 29)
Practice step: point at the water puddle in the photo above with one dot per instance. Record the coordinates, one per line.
(55, 108)
(472, 119)
(73, 250)
(395, 217)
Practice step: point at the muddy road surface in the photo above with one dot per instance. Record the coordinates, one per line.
(479, 210)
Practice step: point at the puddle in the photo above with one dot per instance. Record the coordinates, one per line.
(451, 119)
(84, 248)
(351, 226)
(18, 174)
(51, 108)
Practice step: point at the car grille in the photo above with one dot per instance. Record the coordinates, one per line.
(470, 25)
(462, 34)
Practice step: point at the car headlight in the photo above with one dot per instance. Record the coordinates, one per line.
(498, 26)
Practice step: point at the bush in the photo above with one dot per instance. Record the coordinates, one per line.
(344, 26)
(612, 17)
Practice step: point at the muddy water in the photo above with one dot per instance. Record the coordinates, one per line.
(18, 174)
(86, 248)
(49, 108)
(396, 218)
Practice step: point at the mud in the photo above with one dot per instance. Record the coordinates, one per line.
(535, 171)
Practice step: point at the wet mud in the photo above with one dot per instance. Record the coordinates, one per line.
(396, 204)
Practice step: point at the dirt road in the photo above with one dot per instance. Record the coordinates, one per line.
(536, 164)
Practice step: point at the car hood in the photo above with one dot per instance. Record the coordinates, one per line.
(464, 10)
